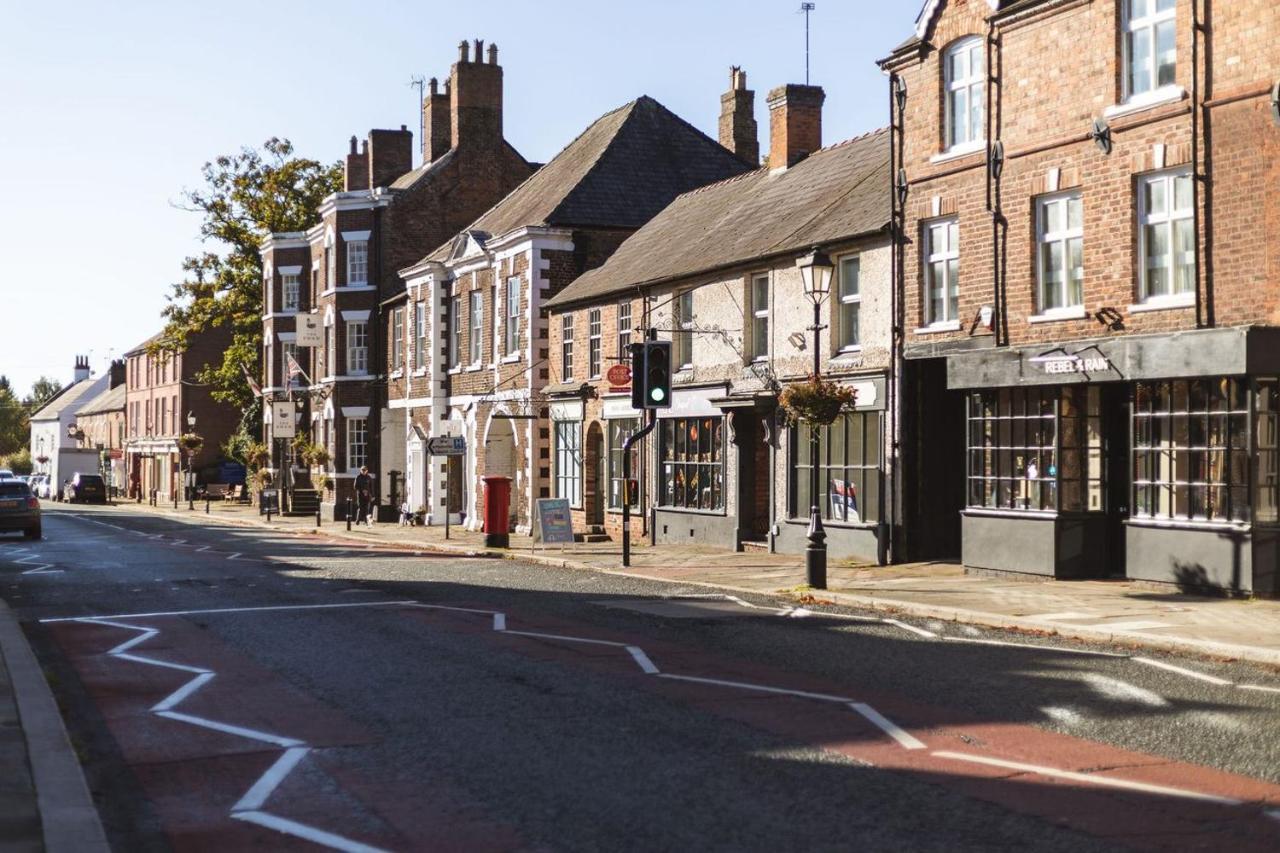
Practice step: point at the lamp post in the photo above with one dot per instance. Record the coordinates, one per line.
(191, 494)
(815, 271)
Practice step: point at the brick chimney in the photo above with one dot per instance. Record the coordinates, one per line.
(390, 155)
(356, 175)
(738, 119)
(435, 118)
(795, 123)
(117, 374)
(82, 368)
(475, 98)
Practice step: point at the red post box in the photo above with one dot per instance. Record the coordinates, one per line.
(497, 512)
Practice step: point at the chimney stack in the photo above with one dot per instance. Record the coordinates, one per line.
(82, 368)
(435, 115)
(356, 174)
(117, 374)
(738, 119)
(475, 98)
(795, 124)
(389, 155)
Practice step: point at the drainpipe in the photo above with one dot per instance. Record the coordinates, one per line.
(377, 387)
(1204, 313)
(993, 196)
(889, 489)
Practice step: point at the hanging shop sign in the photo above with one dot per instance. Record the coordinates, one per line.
(310, 331)
(282, 424)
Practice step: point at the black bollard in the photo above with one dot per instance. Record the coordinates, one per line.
(317, 516)
(206, 504)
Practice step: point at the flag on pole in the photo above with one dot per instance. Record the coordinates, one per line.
(253, 384)
(295, 369)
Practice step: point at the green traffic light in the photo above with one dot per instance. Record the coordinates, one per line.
(657, 394)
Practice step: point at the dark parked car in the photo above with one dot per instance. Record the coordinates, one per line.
(86, 488)
(19, 509)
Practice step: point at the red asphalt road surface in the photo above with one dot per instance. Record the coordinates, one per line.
(193, 776)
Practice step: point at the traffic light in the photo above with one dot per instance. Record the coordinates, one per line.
(637, 375)
(657, 375)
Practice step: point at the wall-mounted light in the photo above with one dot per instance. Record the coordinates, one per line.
(997, 159)
(900, 93)
(1275, 103)
(902, 187)
(1101, 134)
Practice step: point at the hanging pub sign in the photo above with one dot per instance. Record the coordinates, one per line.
(282, 425)
(619, 377)
(310, 331)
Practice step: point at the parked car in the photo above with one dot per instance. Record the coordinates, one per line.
(19, 509)
(6, 474)
(85, 488)
(40, 486)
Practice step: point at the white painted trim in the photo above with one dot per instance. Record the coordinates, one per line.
(959, 151)
(279, 315)
(355, 411)
(287, 336)
(356, 316)
(349, 236)
(1146, 101)
(295, 269)
(1053, 315)
(1164, 303)
(930, 10)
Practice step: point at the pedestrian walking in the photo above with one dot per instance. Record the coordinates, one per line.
(364, 496)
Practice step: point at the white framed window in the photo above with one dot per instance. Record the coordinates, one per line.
(683, 335)
(619, 430)
(848, 302)
(624, 329)
(420, 337)
(291, 292)
(357, 443)
(331, 350)
(1150, 45)
(569, 461)
(397, 339)
(566, 348)
(1060, 252)
(357, 348)
(476, 340)
(455, 331)
(495, 299)
(941, 271)
(758, 300)
(1166, 236)
(357, 263)
(964, 67)
(512, 330)
(593, 343)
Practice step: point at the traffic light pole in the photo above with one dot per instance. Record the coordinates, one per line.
(631, 441)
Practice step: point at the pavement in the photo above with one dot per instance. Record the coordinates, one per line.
(1126, 613)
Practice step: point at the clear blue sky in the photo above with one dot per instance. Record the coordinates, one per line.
(108, 110)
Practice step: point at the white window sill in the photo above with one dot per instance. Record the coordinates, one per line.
(1146, 101)
(511, 359)
(941, 326)
(396, 374)
(1164, 303)
(455, 370)
(957, 151)
(421, 371)
(472, 368)
(853, 349)
(1055, 315)
(353, 288)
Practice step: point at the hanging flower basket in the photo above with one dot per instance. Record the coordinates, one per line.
(816, 401)
(191, 443)
(42, 459)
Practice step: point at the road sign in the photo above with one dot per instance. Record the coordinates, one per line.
(310, 333)
(282, 424)
(619, 377)
(447, 445)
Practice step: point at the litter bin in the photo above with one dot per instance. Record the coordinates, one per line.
(497, 512)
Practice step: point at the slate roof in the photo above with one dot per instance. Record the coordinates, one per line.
(65, 399)
(833, 194)
(108, 401)
(621, 171)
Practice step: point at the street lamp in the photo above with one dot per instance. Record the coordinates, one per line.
(191, 494)
(815, 271)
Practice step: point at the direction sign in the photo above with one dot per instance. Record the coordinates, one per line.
(447, 445)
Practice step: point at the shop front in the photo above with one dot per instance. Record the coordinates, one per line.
(1148, 457)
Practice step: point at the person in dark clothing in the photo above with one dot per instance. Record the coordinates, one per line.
(364, 497)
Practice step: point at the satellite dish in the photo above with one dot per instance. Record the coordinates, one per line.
(1101, 134)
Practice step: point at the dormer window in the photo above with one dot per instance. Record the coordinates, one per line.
(965, 84)
(1150, 45)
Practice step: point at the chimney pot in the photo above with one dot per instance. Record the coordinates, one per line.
(463, 47)
(479, 50)
(493, 54)
(433, 85)
(353, 143)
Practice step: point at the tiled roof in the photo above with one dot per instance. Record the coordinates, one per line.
(65, 399)
(835, 193)
(621, 171)
(108, 401)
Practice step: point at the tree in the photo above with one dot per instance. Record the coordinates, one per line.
(245, 197)
(14, 427)
(42, 391)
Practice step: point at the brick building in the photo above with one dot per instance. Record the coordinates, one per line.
(101, 426)
(1088, 290)
(716, 273)
(336, 276)
(468, 339)
(162, 396)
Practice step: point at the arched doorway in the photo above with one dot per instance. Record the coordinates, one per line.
(592, 475)
(500, 455)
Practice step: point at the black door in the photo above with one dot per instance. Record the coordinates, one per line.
(1116, 444)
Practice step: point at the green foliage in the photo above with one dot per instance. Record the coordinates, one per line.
(245, 197)
(15, 432)
(19, 462)
(42, 391)
(816, 401)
